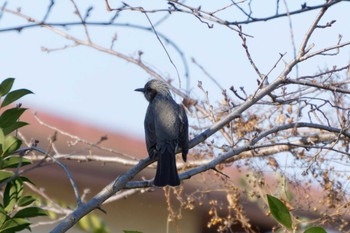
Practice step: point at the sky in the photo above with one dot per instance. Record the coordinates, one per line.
(89, 86)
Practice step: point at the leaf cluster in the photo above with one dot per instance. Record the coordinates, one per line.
(16, 206)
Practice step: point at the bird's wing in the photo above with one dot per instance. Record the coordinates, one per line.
(150, 134)
(183, 133)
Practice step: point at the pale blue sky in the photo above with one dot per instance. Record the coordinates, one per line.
(86, 85)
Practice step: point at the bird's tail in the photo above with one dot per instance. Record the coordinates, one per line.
(166, 169)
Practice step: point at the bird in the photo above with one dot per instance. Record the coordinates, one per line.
(166, 130)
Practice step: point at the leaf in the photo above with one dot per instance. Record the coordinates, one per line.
(15, 95)
(279, 211)
(315, 230)
(3, 215)
(16, 125)
(4, 175)
(14, 224)
(14, 162)
(10, 116)
(26, 200)
(10, 145)
(6, 86)
(26, 179)
(30, 212)
(12, 193)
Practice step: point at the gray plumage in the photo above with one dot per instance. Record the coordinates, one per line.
(166, 130)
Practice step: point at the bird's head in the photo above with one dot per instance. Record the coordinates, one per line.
(154, 87)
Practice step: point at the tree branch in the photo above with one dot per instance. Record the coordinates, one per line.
(328, 87)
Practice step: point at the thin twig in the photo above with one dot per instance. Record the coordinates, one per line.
(78, 139)
(82, 20)
(68, 173)
(166, 51)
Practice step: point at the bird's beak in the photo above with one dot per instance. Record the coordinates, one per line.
(140, 89)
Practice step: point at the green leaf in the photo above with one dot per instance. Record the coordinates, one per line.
(315, 230)
(3, 215)
(12, 193)
(15, 95)
(14, 162)
(30, 212)
(26, 200)
(6, 86)
(280, 212)
(125, 231)
(10, 116)
(26, 179)
(14, 224)
(4, 175)
(10, 145)
(14, 126)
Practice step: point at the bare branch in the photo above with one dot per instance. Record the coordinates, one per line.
(49, 8)
(328, 87)
(78, 139)
(302, 49)
(302, 10)
(166, 51)
(66, 170)
(82, 20)
(299, 125)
